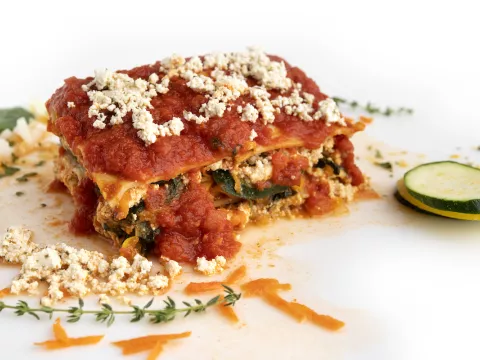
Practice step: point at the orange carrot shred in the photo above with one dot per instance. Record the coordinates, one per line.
(62, 340)
(197, 288)
(228, 313)
(236, 275)
(141, 347)
(5, 292)
(156, 351)
(324, 321)
(59, 332)
(260, 286)
(83, 341)
(267, 289)
(275, 300)
(151, 339)
(366, 119)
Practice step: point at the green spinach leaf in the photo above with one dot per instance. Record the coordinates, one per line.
(226, 182)
(9, 117)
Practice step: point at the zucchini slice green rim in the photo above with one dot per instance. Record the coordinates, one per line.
(445, 185)
(405, 194)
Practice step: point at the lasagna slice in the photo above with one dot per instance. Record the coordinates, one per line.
(178, 156)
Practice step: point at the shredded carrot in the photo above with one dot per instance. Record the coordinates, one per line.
(145, 343)
(324, 321)
(151, 339)
(455, 156)
(366, 119)
(261, 286)
(268, 289)
(141, 347)
(63, 341)
(156, 351)
(275, 300)
(227, 312)
(82, 341)
(59, 332)
(236, 275)
(5, 292)
(197, 288)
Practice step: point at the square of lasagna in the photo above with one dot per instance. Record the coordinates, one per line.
(178, 156)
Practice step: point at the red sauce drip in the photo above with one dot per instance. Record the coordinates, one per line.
(287, 168)
(345, 146)
(85, 199)
(191, 226)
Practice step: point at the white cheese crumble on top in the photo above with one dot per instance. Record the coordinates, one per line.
(210, 267)
(328, 109)
(249, 113)
(70, 104)
(253, 135)
(119, 93)
(69, 271)
(222, 77)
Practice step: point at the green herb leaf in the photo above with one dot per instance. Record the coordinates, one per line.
(386, 165)
(40, 163)
(9, 117)
(8, 170)
(226, 182)
(24, 177)
(19, 193)
(107, 314)
(371, 109)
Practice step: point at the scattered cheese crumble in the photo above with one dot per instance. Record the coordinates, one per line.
(172, 267)
(70, 104)
(210, 267)
(71, 272)
(222, 77)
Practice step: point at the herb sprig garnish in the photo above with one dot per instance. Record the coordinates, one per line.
(106, 314)
(371, 109)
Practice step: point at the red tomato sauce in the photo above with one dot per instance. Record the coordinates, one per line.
(85, 199)
(117, 150)
(345, 147)
(191, 225)
(287, 168)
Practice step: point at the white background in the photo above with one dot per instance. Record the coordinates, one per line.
(420, 54)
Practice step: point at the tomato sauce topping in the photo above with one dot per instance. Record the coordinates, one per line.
(117, 150)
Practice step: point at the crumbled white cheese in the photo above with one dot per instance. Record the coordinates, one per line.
(253, 135)
(201, 83)
(261, 170)
(70, 104)
(328, 110)
(67, 270)
(172, 267)
(210, 267)
(198, 119)
(103, 299)
(221, 77)
(213, 108)
(249, 113)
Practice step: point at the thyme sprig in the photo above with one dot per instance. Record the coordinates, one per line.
(371, 109)
(106, 314)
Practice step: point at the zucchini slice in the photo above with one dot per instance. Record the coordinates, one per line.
(446, 185)
(406, 196)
